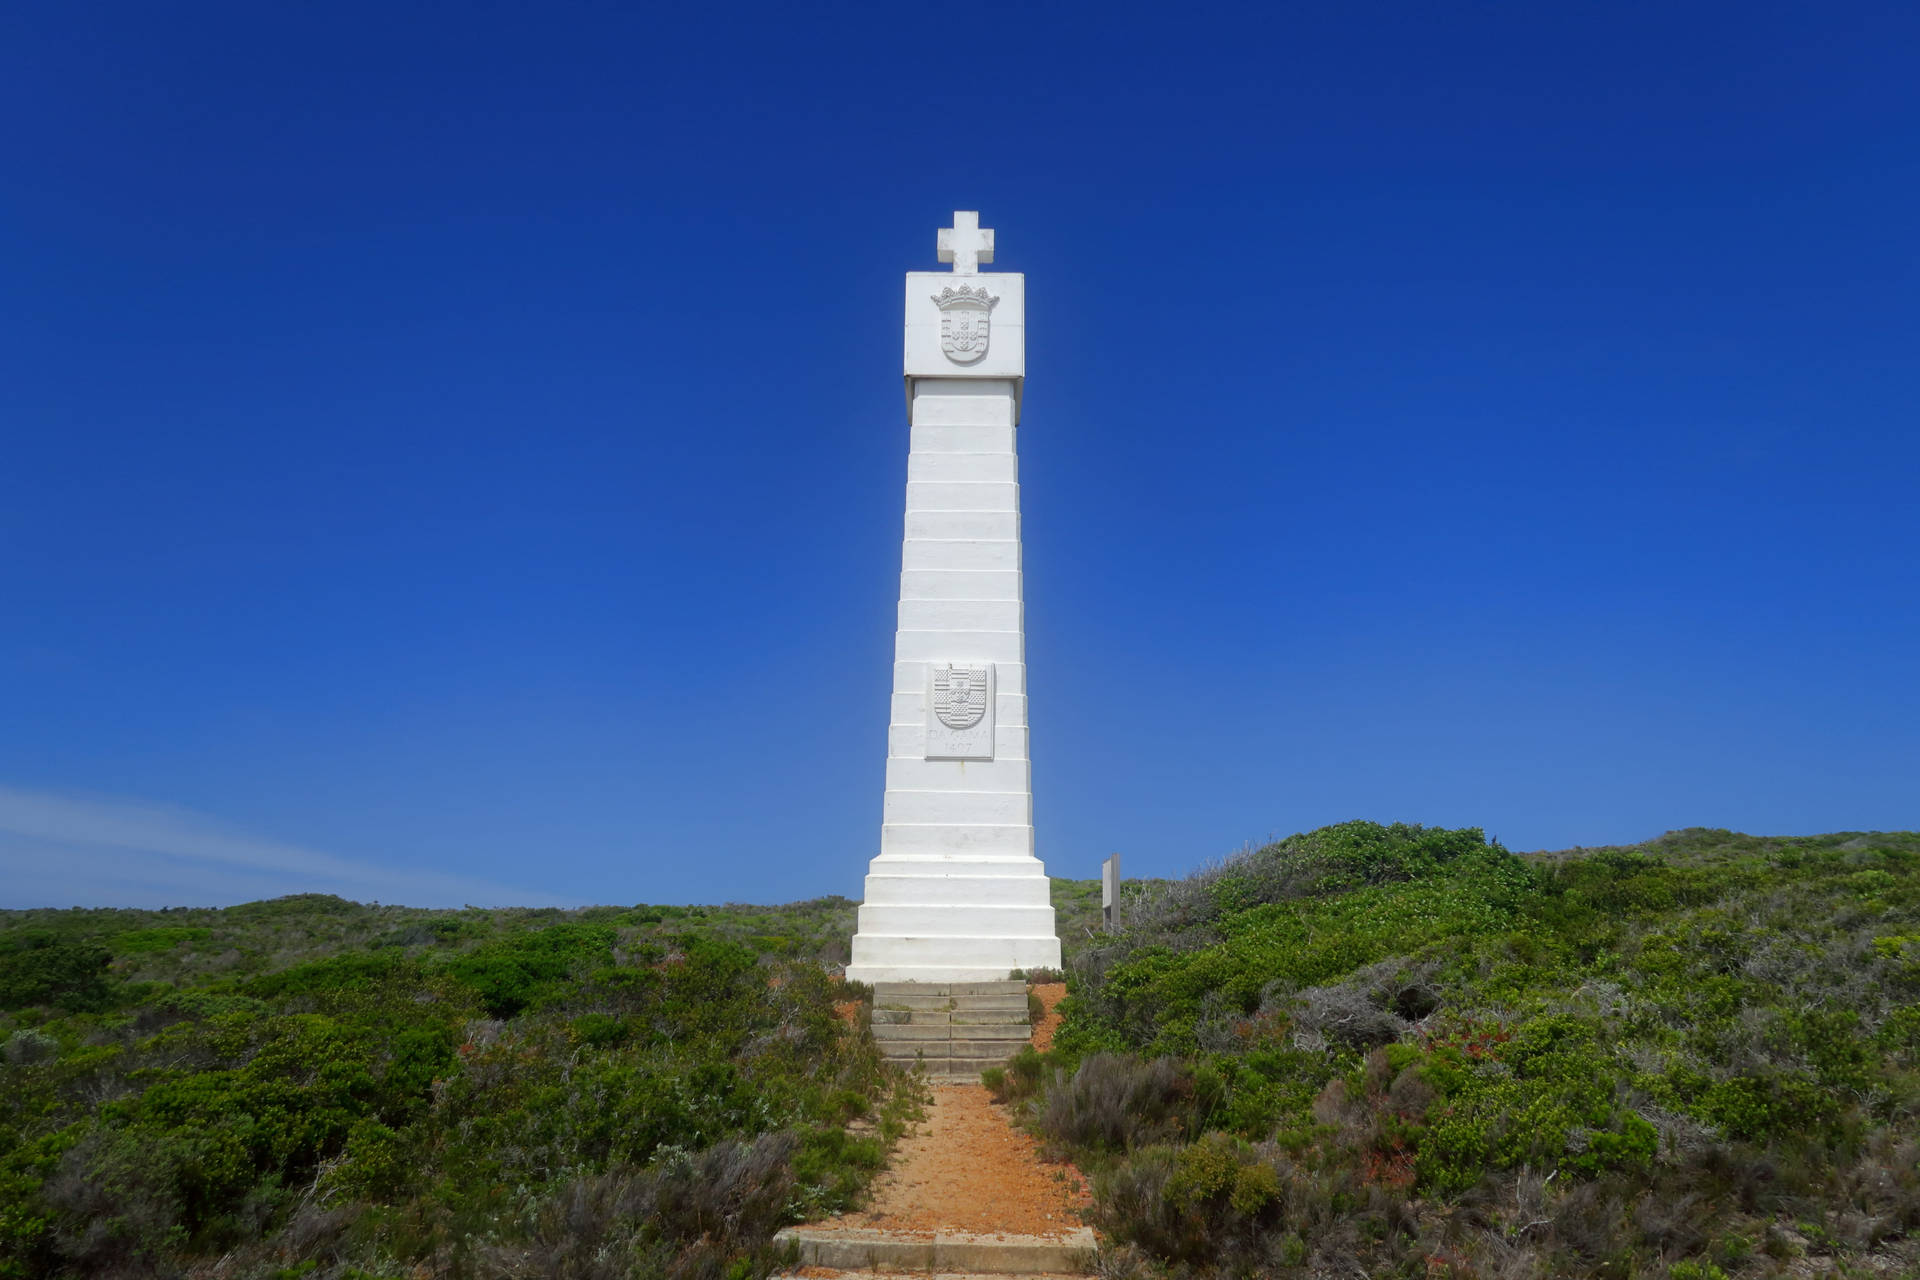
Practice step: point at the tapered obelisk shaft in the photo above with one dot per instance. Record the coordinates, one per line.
(956, 893)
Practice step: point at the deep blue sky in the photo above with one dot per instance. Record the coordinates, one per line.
(456, 452)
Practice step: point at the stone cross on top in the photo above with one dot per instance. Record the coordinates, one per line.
(966, 244)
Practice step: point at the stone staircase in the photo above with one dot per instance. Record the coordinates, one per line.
(957, 1029)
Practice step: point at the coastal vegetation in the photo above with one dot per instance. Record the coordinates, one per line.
(1390, 1051)
(314, 1088)
(1394, 1050)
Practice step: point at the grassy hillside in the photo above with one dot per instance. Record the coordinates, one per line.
(1402, 1051)
(309, 1087)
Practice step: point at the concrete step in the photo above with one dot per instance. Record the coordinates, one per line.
(955, 1070)
(999, 1035)
(885, 1031)
(938, 1057)
(874, 961)
(971, 1068)
(1003, 1035)
(949, 988)
(1071, 1252)
(890, 1032)
(1002, 1049)
(870, 1273)
(1013, 1005)
(1005, 988)
(892, 1001)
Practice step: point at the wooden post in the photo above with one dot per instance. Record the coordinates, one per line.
(1110, 894)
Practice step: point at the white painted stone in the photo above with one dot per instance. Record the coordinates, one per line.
(963, 468)
(932, 774)
(962, 496)
(961, 553)
(963, 524)
(951, 919)
(966, 244)
(944, 842)
(958, 584)
(956, 893)
(948, 808)
(962, 439)
(935, 866)
(935, 889)
(909, 741)
(938, 646)
(971, 410)
(920, 957)
(931, 316)
(944, 615)
(1009, 677)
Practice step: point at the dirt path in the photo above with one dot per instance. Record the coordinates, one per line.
(966, 1168)
(1051, 994)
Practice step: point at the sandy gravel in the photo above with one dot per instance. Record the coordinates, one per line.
(966, 1168)
(1051, 994)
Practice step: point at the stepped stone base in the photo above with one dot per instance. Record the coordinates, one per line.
(955, 1030)
(920, 925)
(955, 893)
(998, 1255)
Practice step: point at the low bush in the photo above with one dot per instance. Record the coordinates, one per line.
(1113, 1102)
(393, 1092)
(1677, 1059)
(689, 1217)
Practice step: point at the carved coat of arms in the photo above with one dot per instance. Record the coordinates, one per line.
(959, 695)
(966, 314)
(959, 711)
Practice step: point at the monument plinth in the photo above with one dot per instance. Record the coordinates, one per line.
(956, 893)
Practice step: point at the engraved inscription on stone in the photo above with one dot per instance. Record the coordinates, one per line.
(959, 711)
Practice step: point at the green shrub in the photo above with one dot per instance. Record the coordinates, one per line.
(514, 973)
(994, 1080)
(1607, 1060)
(39, 969)
(145, 941)
(1213, 1200)
(1692, 1269)
(347, 1097)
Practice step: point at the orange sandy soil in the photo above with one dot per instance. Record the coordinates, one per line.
(828, 1273)
(966, 1168)
(1051, 994)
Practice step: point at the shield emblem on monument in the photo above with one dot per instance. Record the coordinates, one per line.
(966, 315)
(959, 695)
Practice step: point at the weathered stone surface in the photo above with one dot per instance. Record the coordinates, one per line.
(915, 1030)
(953, 1030)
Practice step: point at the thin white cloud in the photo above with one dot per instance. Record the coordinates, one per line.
(65, 851)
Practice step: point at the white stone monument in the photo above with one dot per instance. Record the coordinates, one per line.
(956, 894)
